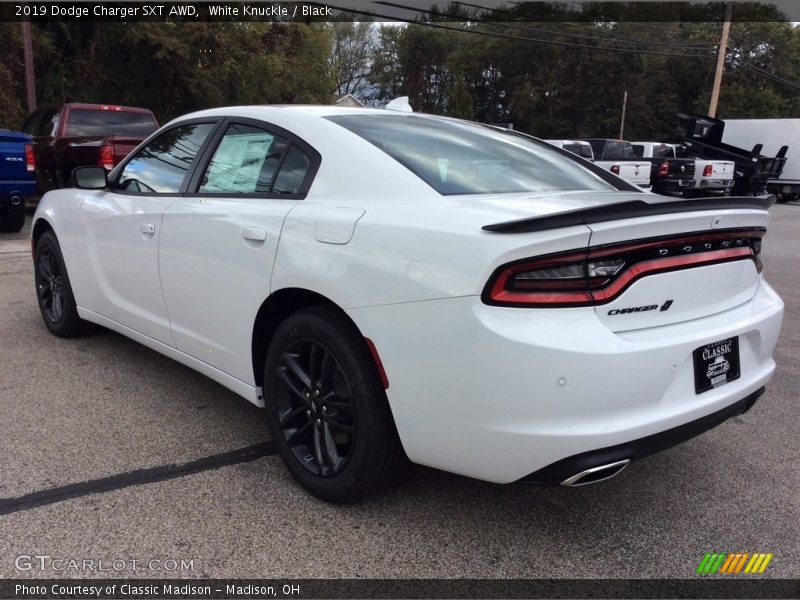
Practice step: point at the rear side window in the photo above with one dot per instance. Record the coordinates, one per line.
(85, 122)
(251, 160)
(456, 157)
(245, 161)
(293, 172)
(161, 166)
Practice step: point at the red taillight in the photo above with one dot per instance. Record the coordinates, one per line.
(599, 275)
(707, 170)
(30, 159)
(106, 157)
(663, 169)
(615, 169)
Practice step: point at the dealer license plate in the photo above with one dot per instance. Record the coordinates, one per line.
(716, 364)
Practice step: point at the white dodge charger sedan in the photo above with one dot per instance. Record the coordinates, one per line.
(394, 286)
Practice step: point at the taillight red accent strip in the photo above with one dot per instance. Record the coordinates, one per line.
(499, 293)
(660, 265)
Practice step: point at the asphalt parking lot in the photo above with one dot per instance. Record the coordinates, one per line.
(99, 407)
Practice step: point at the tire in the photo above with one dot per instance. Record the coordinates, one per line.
(327, 410)
(53, 290)
(13, 218)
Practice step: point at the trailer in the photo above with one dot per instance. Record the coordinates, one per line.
(754, 170)
(772, 134)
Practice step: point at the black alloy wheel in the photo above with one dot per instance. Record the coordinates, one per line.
(316, 412)
(53, 289)
(50, 285)
(326, 407)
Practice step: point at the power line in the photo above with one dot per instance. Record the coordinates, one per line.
(437, 25)
(747, 66)
(616, 36)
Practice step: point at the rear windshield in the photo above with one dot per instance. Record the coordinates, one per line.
(96, 122)
(663, 151)
(584, 150)
(615, 150)
(455, 157)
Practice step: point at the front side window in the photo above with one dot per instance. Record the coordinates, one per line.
(161, 166)
(457, 157)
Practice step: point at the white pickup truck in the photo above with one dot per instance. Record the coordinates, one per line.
(582, 149)
(710, 176)
(617, 156)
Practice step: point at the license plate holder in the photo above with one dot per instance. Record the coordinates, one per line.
(716, 364)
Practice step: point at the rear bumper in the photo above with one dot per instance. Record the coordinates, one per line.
(672, 186)
(562, 470)
(500, 393)
(715, 184)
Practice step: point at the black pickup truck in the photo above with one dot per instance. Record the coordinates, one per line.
(669, 175)
(703, 139)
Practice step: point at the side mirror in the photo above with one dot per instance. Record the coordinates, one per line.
(90, 178)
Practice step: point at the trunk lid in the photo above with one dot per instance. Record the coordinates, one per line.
(724, 276)
(721, 170)
(651, 261)
(635, 172)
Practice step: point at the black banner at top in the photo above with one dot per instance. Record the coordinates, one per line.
(395, 10)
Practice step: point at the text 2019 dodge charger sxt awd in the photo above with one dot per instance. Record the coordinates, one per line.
(393, 285)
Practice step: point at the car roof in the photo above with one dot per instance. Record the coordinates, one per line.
(266, 110)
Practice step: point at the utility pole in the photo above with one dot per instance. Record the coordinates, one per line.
(30, 78)
(723, 47)
(622, 122)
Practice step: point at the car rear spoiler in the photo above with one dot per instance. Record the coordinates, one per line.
(628, 210)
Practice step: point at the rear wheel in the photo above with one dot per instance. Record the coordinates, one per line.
(53, 290)
(13, 218)
(326, 408)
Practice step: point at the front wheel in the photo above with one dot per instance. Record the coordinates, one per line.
(326, 408)
(53, 290)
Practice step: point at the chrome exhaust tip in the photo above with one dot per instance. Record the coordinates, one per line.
(16, 200)
(596, 474)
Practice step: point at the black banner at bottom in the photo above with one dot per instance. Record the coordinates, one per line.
(200, 589)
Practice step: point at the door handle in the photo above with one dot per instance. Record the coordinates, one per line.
(147, 228)
(255, 234)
